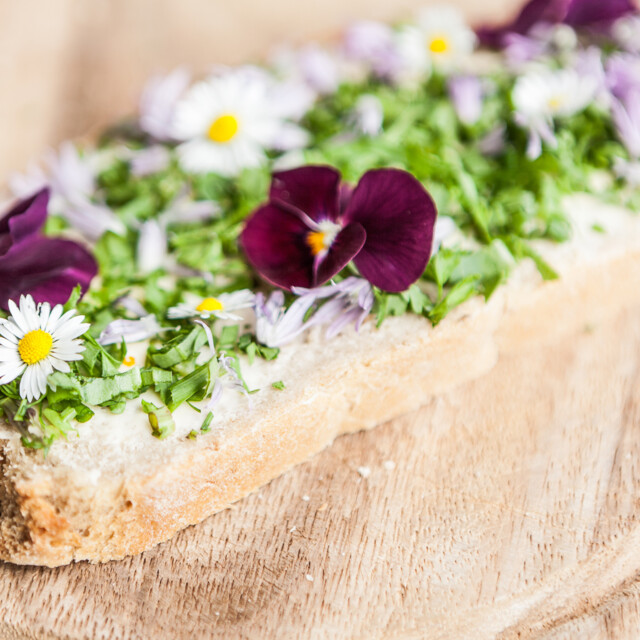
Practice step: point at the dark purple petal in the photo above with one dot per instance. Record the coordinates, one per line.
(398, 216)
(46, 268)
(25, 219)
(312, 190)
(577, 13)
(274, 243)
(594, 12)
(344, 248)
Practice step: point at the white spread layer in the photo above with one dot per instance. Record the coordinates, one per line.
(108, 443)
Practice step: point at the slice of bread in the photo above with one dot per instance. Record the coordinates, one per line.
(115, 490)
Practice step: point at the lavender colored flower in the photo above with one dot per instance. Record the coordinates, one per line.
(150, 160)
(312, 227)
(71, 180)
(277, 326)
(493, 143)
(130, 330)
(158, 103)
(626, 117)
(623, 75)
(48, 269)
(350, 300)
(576, 13)
(466, 94)
(374, 44)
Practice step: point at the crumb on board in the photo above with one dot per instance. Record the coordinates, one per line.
(309, 577)
(306, 498)
(365, 472)
(389, 465)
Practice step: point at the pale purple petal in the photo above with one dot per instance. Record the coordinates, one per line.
(130, 330)
(159, 100)
(467, 97)
(374, 44)
(150, 160)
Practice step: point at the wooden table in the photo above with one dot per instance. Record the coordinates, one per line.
(506, 508)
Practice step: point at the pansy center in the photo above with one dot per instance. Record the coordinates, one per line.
(439, 44)
(35, 346)
(210, 304)
(322, 238)
(223, 129)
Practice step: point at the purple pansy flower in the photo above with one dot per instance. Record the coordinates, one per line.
(312, 227)
(576, 13)
(48, 269)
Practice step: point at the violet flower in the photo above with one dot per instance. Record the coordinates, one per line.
(466, 96)
(48, 269)
(71, 178)
(158, 103)
(312, 227)
(575, 13)
(130, 330)
(351, 300)
(374, 44)
(626, 117)
(277, 326)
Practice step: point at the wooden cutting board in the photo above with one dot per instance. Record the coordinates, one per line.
(506, 508)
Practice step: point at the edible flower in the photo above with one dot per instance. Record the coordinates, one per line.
(220, 307)
(227, 123)
(440, 39)
(35, 341)
(312, 227)
(466, 94)
(375, 45)
(130, 330)
(70, 177)
(158, 102)
(576, 13)
(277, 326)
(48, 269)
(350, 300)
(541, 96)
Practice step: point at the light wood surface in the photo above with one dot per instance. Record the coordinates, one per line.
(511, 510)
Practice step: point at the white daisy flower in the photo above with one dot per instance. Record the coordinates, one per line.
(35, 341)
(228, 121)
(220, 307)
(542, 95)
(440, 38)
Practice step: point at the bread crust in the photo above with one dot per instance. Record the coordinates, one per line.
(51, 517)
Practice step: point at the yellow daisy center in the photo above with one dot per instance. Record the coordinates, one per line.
(439, 44)
(210, 304)
(35, 346)
(224, 128)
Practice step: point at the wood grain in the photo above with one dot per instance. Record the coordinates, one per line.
(507, 508)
